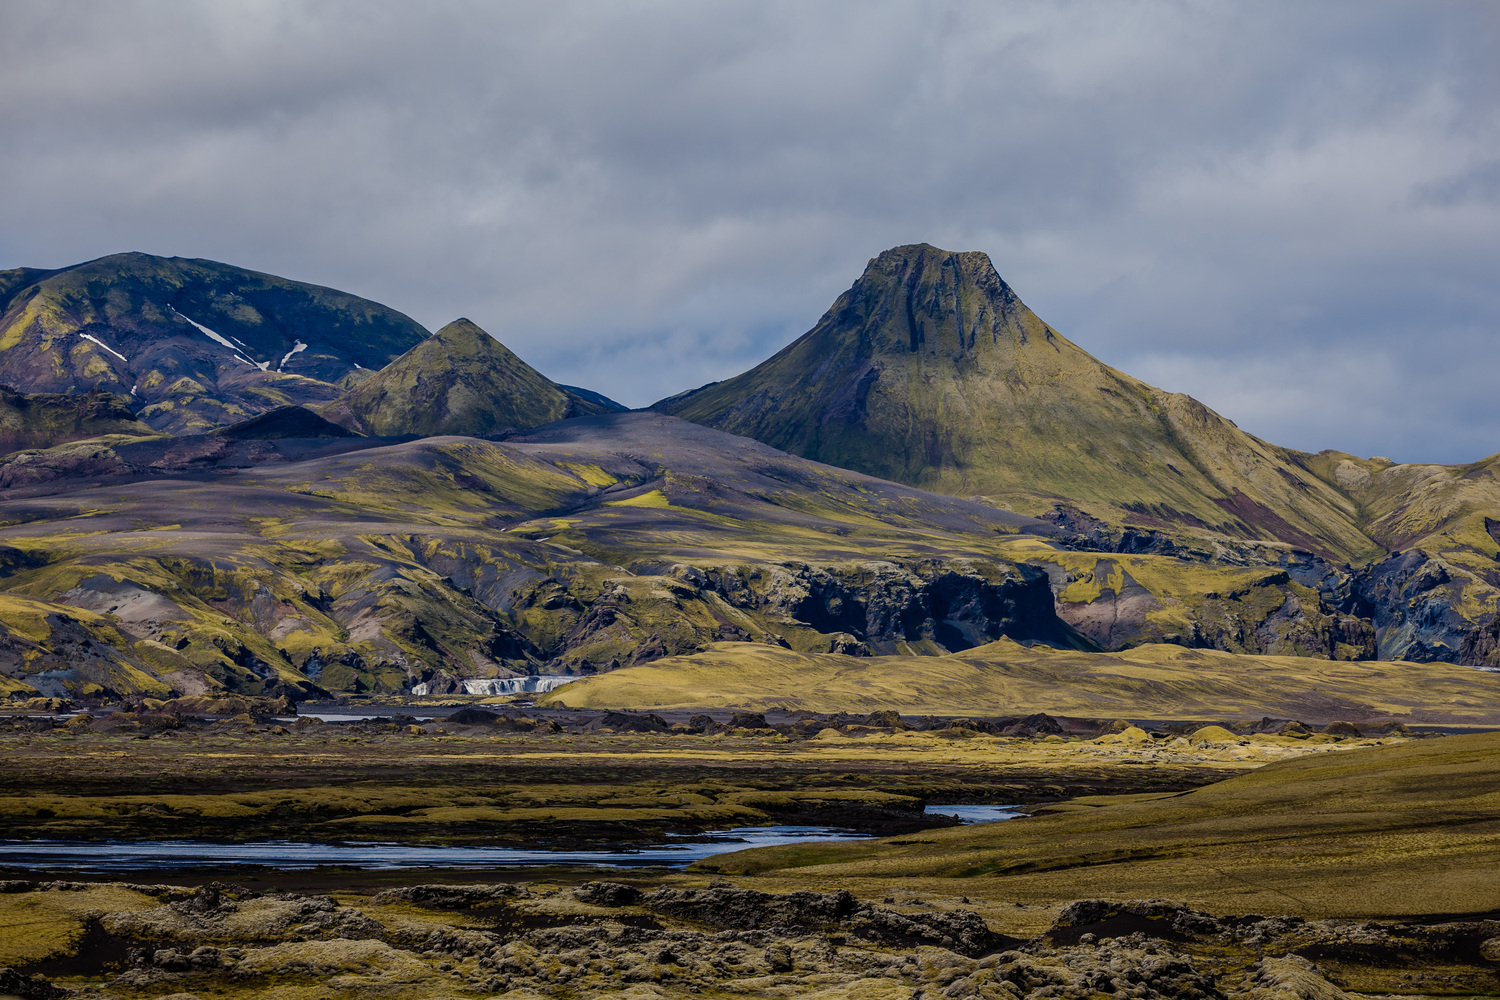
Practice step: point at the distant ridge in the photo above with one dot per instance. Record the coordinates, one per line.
(194, 344)
(931, 371)
(458, 381)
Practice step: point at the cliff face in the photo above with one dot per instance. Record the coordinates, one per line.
(931, 371)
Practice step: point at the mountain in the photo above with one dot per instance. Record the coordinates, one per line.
(458, 381)
(277, 555)
(255, 562)
(931, 371)
(195, 344)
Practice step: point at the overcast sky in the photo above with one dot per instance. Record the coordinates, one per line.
(1289, 210)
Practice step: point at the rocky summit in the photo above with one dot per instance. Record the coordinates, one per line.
(194, 344)
(459, 381)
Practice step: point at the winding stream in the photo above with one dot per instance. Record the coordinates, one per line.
(105, 856)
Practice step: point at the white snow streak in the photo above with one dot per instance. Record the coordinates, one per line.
(262, 365)
(298, 346)
(102, 344)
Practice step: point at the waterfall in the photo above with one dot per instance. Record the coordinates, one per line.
(504, 685)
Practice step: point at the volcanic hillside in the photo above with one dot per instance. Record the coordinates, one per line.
(931, 371)
(459, 381)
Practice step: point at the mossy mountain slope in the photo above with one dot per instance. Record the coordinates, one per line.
(195, 343)
(254, 560)
(931, 371)
(41, 420)
(458, 381)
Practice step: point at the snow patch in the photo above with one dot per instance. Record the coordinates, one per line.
(298, 346)
(219, 338)
(88, 336)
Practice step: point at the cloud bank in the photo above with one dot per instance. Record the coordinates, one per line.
(1289, 210)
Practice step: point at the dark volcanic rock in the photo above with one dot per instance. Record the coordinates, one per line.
(452, 897)
(748, 720)
(1034, 725)
(1413, 600)
(41, 420)
(1480, 646)
(960, 931)
(621, 722)
(15, 984)
(607, 894)
(880, 604)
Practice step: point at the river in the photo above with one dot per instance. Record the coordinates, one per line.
(105, 856)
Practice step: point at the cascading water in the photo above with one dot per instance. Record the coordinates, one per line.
(504, 685)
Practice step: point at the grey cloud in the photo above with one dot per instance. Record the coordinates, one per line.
(1284, 209)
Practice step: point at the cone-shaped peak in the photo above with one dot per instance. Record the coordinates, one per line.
(458, 381)
(930, 370)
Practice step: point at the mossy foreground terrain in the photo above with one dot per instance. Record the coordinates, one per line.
(1368, 865)
(1408, 829)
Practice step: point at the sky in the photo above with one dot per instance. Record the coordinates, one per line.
(1289, 210)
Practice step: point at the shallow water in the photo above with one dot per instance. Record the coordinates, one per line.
(977, 813)
(166, 854)
(290, 855)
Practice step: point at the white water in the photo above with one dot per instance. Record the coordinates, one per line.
(516, 685)
(504, 685)
(88, 336)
